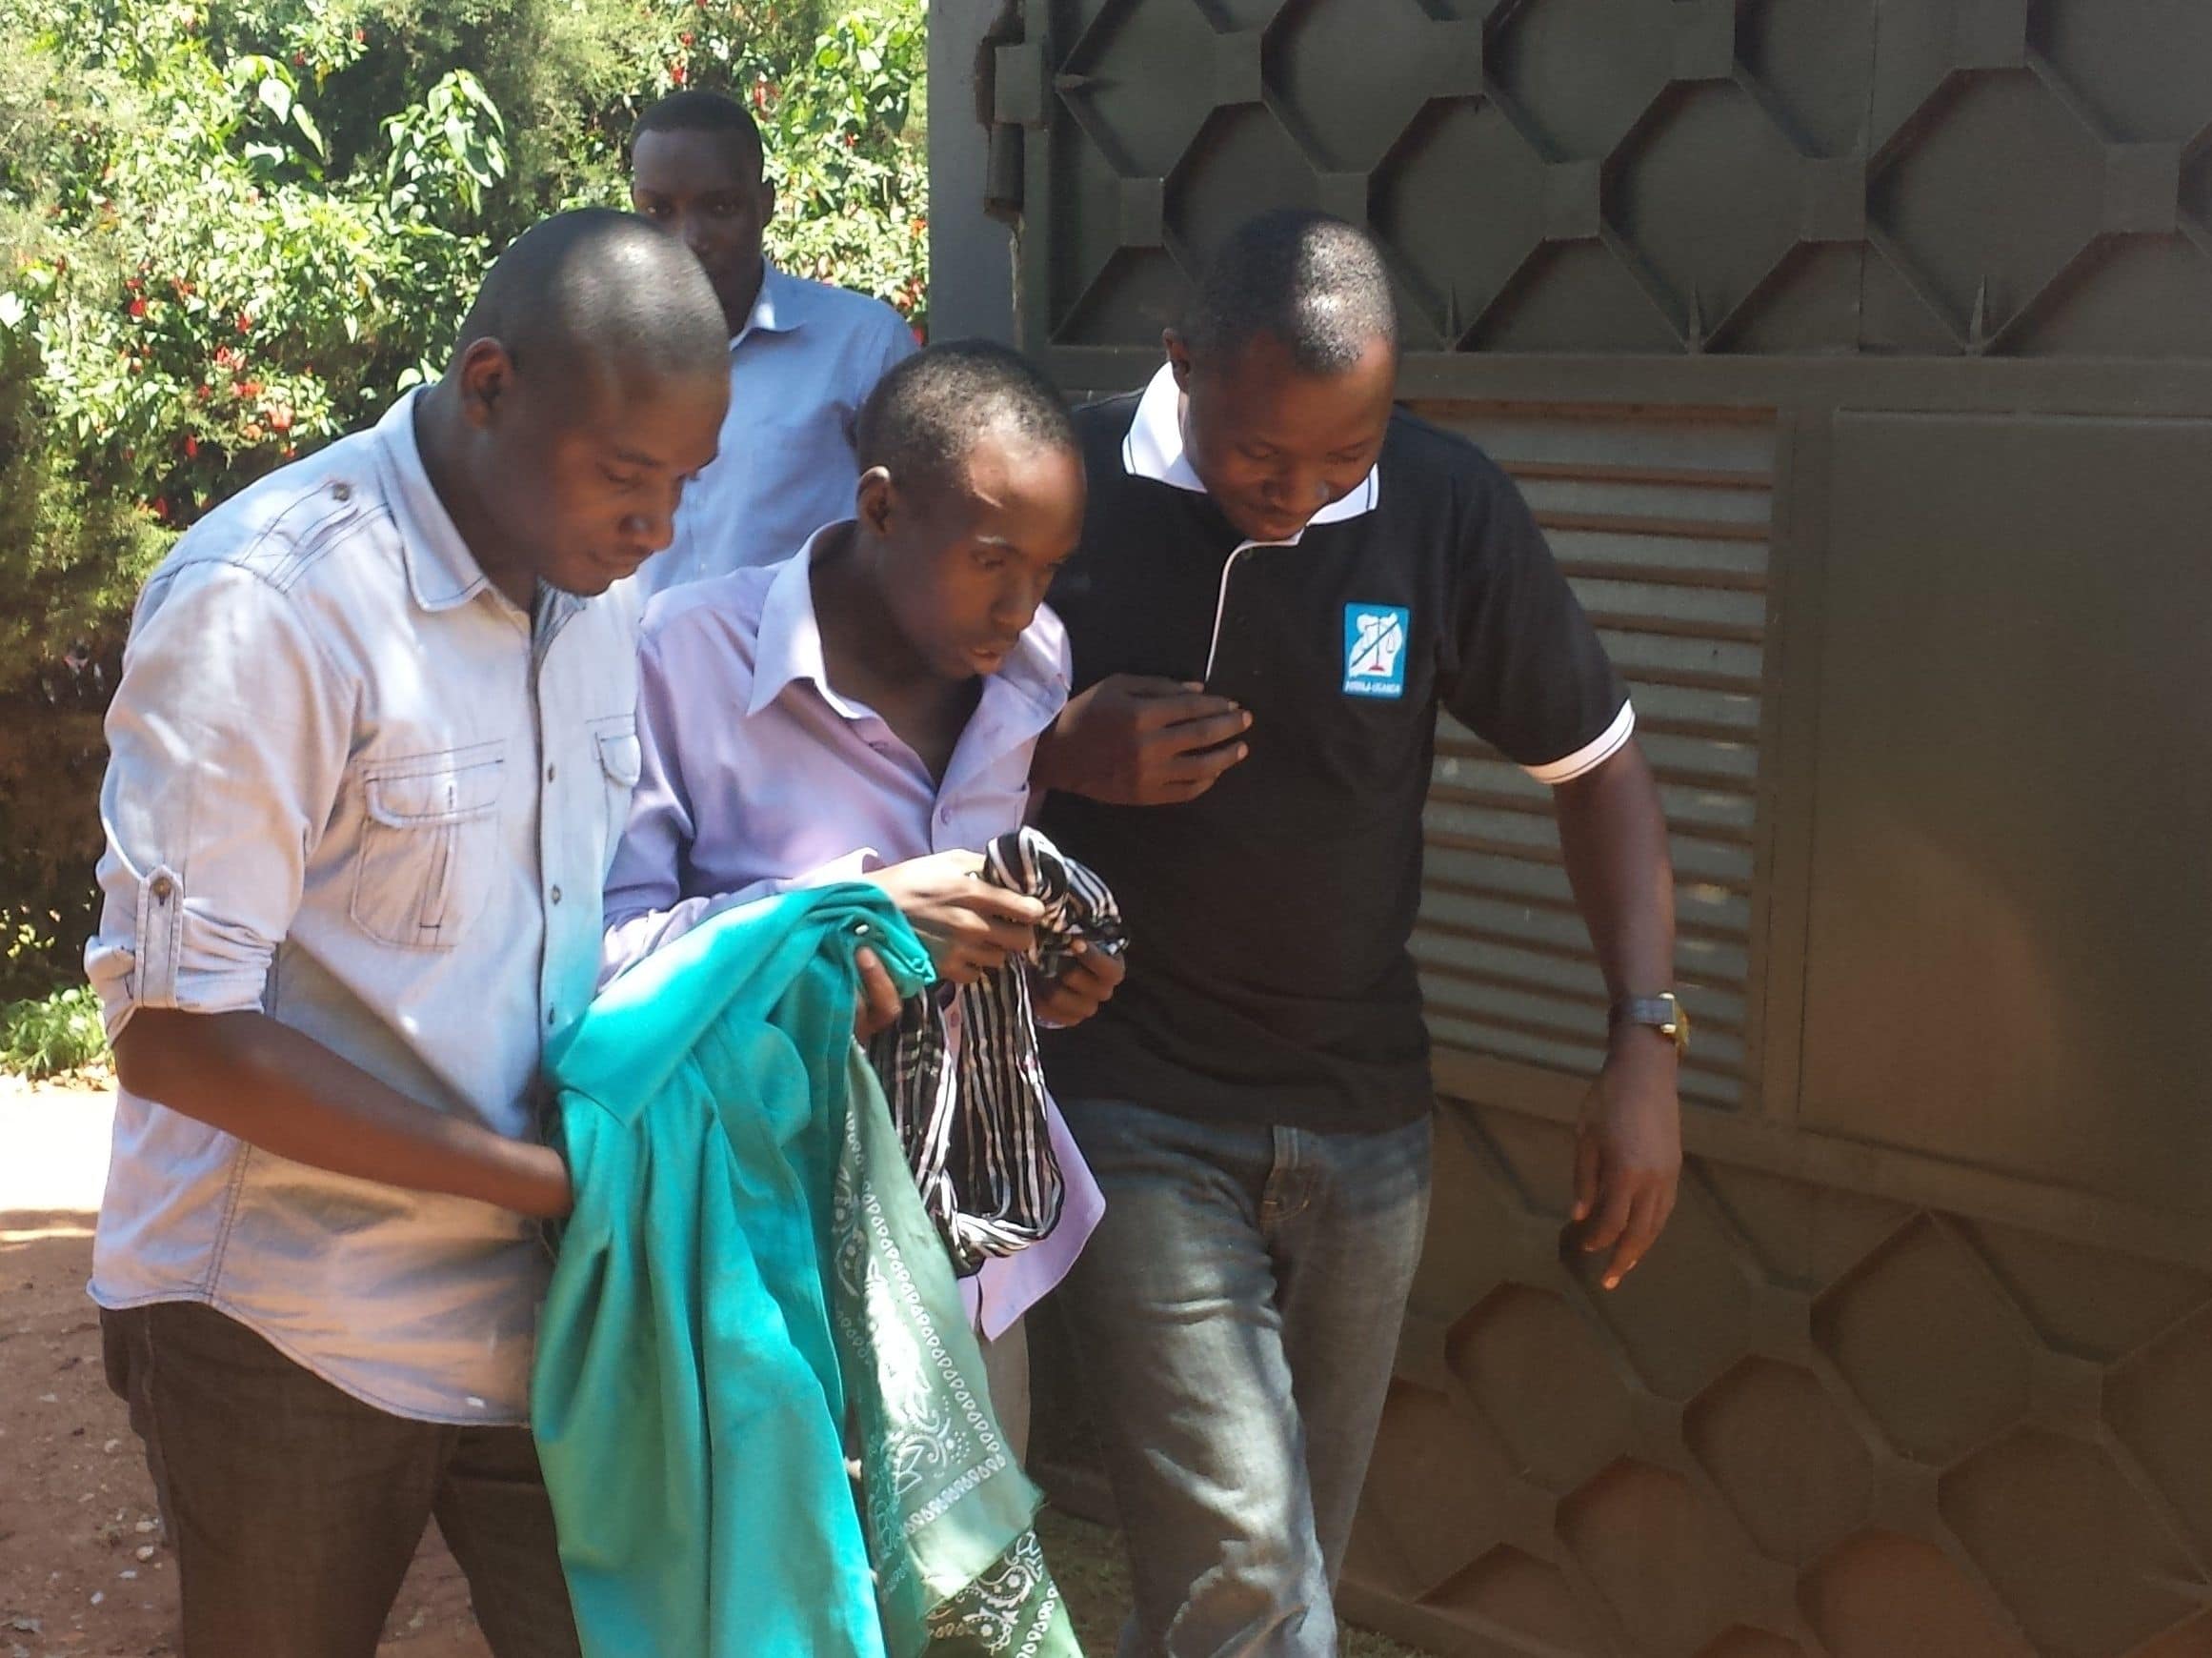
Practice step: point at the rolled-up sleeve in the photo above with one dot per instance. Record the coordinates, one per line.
(227, 742)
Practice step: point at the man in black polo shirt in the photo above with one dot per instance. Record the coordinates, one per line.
(1282, 578)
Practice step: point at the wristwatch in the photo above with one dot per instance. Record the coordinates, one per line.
(1664, 1013)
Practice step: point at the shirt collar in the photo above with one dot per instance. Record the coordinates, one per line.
(775, 308)
(441, 572)
(789, 644)
(1154, 450)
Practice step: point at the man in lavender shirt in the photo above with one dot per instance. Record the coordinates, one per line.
(867, 709)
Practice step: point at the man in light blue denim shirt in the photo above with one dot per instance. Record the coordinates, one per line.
(370, 752)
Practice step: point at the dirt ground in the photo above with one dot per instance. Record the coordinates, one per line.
(83, 1572)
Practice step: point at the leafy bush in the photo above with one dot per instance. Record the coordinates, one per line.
(231, 229)
(205, 296)
(53, 1035)
(846, 147)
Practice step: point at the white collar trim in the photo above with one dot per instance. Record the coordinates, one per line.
(1154, 450)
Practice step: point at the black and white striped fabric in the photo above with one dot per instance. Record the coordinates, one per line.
(975, 1133)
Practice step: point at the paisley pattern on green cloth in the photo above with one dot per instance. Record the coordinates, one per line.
(941, 1485)
(749, 1270)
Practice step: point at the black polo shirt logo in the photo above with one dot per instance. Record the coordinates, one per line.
(1375, 649)
(1273, 980)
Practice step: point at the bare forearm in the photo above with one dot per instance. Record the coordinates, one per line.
(282, 1091)
(1615, 838)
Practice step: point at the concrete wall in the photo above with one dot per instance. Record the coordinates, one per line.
(971, 256)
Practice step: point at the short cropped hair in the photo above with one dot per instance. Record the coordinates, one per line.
(1309, 281)
(705, 112)
(594, 289)
(924, 417)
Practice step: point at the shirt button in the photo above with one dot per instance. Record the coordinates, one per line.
(556, 895)
(162, 888)
(550, 1016)
(341, 490)
(549, 774)
(945, 816)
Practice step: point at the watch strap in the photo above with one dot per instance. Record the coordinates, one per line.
(1663, 1012)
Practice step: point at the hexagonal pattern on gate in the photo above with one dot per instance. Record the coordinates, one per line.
(2070, 1544)
(1797, 1504)
(1540, 1375)
(2000, 193)
(1927, 1342)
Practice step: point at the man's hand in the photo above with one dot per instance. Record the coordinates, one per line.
(546, 1194)
(877, 1009)
(1078, 989)
(969, 926)
(279, 1090)
(1131, 740)
(1628, 1151)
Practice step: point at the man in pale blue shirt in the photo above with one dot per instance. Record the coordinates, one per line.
(373, 746)
(803, 355)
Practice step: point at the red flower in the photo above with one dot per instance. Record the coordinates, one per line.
(192, 447)
(851, 139)
(138, 308)
(299, 60)
(280, 418)
(205, 391)
(362, 34)
(251, 431)
(225, 356)
(245, 323)
(675, 75)
(161, 507)
(920, 337)
(685, 37)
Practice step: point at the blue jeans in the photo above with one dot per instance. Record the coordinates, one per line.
(1236, 1314)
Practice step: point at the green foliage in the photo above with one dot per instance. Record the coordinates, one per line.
(842, 120)
(234, 230)
(205, 294)
(52, 1034)
(231, 229)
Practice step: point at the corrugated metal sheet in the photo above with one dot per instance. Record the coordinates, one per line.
(1660, 521)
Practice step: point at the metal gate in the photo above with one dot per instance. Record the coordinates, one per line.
(1857, 356)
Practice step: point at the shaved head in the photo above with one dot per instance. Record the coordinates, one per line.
(600, 296)
(708, 112)
(1312, 283)
(588, 385)
(927, 415)
(1287, 360)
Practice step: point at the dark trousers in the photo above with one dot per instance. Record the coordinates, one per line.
(293, 1508)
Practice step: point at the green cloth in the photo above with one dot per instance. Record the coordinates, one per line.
(747, 1254)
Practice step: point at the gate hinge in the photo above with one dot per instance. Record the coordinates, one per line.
(1012, 100)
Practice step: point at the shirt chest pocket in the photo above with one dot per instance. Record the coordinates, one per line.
(619, 763)
(430, 842)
